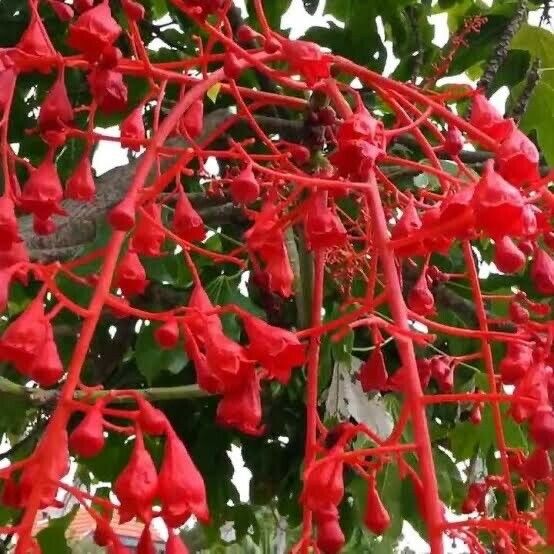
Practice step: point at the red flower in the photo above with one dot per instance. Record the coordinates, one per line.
(80, 186)
(408, 225)
(192, 122)
(9, 231)
(145, 544)
(93, 31)
(87, 439)
(8, 77)
(437, 242)
(63, 11)
(517, 158)
(376, 517)
(55, 113)
(245, 188)
(47, 368)
(421, 299)
(308, 59)
(181, 488)
(133, 10)
(279, 272)
(453, 141)
(130, 275)
(538, 465)
(516, 362)
(324, 486)
(137, 485)
(542, 427)
(43, 227)
(508, 258)
(122, 216)
(276, 349)
(199, 323)
(475, 497)
(108, 89)
(373, 373)
(458, 206)
(330, 538)
(33, 42)
(43, 191)
(355, 159)
(83, 5)
(361, 125)
(206, 378)
(150, 419)
(498, 205)
(534, 385)
(487, 119)
(187, 223)
(175, 545)
(17, 254)
(167, 335)
(132, 127)
(147, 236)
(231, 65)
(542, 272)
(241, 407)
(322, 226)
(442, 371)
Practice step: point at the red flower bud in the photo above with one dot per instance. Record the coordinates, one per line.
(175, 545)
(108, 89)
(231, 66)
(47, 368)
(193, 120)
(376, 517)
(475, 415)
(442, 371)
(330, 538)
(518, 313)
(133, 10)
(82, 5)
(421, 299)
(43, 191)
(130, 275)
(308, 59)
(406, 226)
(132, 129)
(63, 11)
(322, 226)
(150, 419)
(148, 237)
(518, 158)
(475, 497)
(9, 231)
(454, 141)
(245, 188)
(187, 224)
(538, 465)
(487, 119)
(137, 484)
(34, 43)
(542, 272)
(373, 373)
(181, 487)
(94, 30)
(516, 362)
(542, 427)
(87, 439)
(122, 216)
(55, 113)
(508, 258)
(167, 335)
(80, 186)
(246, 34)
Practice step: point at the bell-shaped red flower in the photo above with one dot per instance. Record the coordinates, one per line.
(373, 373)
(132, 130)
(150, 419)
(9, 232)
(279, 272)
(421, 299)
(122, 216)
(241, 407)
(538, 465)
(408, 225)
(206, 377)
(6, 276)
(47, 368)
(133, 10)
(442, 371)
(330, 538)
(148, 237)
(324, 486)
(175, 545)
(130, 275)
(8, 77)
(167, 335)
(80, 185)
(108, 89)
(361, 125)
(245, 188)
(498, 205)
(198, 322)
(94, 30)
(87, 439)
(542, 427)
(137, 485)
(33, 42)
(308, 59)
(181, 488)
(276, 349)
(55, 113)
(458, 207)
(145, 544)
(517, 158)
(487, 119)
(453, 141)
(516, 362)
(533, 385)
(542, 272)
(187, 223)
(192, 122)
(508, 258)
(355, 159)
(322, 227)
(43, 191)
(376, 516)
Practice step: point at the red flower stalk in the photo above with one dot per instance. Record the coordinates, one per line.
(517, 158)
(542, 427)
(376, 516)
(276, 349)
(487, 119)
(187, 223)
(538, 465)
(108, 89)
(137, 485)
(132, 129)
(453, 141)
(308, 59)
(145, 544)
(181, 488)
(130, 275)
(56, 113)
(43, 191)
(148, 237)
(542, 272)
(93, 31)
(508, 258)
(9, 231)
(421, 299)
(80, 186)
(498, 205)
(87, 439)
(330, 538)
(193, 120)
(167, 335)
(373, 373)
(322, 226)
(245, 188)
(241, 407)
(175, 545)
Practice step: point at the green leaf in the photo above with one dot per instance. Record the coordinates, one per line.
(537, 41)
(52, 539)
